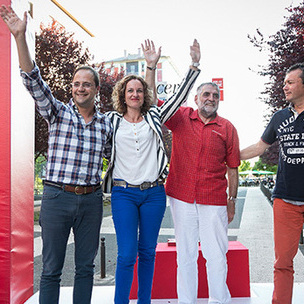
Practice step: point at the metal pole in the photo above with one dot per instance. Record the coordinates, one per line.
(102, 258)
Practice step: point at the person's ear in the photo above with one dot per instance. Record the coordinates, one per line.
(196, 99)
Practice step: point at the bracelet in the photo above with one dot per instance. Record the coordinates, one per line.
(152, 69)
(195, 64)
(231, 198)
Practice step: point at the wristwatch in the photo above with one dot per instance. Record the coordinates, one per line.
(195, 64)
(231, 198)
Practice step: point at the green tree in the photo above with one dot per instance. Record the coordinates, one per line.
(285, 48)
(261, 166)
(40, 168)
(245, 165)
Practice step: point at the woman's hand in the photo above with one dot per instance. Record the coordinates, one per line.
(150, 54)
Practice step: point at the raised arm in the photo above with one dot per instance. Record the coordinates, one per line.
(152, 58)
(195, 54)
(254, 150)
(18, 27)
(170, 106)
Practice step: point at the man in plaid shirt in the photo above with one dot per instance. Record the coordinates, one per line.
(72, 198)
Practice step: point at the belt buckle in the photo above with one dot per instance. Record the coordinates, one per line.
(145, 185)
(79, 190)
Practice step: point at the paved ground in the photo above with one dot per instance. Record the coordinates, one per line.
(260, 294)
(252, 226)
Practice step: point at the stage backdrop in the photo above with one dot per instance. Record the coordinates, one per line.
(16, 171)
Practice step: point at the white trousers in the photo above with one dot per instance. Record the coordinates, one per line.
(209, 225)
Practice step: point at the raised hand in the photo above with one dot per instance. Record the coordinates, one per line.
(150, 53)
(16, 26)
(195, 52)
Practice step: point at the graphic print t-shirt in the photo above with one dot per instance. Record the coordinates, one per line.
(289, 131)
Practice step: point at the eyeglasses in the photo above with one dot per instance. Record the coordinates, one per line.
(85, 85)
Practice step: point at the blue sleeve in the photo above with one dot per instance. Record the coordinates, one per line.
(270, 135)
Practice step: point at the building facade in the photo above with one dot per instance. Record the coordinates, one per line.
(168, 76)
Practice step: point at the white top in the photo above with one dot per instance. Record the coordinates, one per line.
(136, 153)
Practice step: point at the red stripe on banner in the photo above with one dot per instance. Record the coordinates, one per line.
(5, 161)
(16, 176)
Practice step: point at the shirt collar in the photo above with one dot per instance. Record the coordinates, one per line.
(194, 115)
(73, 105)
(293, 110)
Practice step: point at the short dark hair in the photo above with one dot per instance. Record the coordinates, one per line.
(297, 66)
(91, 69)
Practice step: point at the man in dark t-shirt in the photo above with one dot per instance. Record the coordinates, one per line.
(286, 126)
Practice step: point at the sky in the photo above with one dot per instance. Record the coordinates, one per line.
(220, 26)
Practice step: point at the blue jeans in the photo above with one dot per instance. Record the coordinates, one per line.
(137, 216)
(61, 211)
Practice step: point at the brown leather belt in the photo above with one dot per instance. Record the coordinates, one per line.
(79, 190)
(143, 186)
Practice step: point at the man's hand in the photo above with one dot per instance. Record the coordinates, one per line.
(230, 210)
(16, 26)
(150, 54)
(195, 51)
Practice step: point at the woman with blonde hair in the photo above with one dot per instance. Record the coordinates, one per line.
(137, 172)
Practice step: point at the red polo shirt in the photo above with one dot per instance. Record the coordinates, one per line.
(200, 156)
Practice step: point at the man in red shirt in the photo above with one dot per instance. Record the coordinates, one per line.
(205, 147)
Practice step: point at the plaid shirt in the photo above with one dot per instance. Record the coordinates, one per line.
(75, 148)
(200, 156)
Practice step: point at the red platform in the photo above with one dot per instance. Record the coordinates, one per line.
(164, 282)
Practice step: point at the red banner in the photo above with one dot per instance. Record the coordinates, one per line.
(16, 177)
(220, 83)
